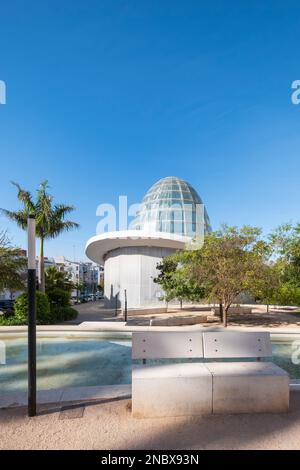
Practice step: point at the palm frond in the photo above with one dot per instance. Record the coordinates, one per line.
(60, 210)
(20, 217)
(25, 197)
(61, 226)
(50, 218)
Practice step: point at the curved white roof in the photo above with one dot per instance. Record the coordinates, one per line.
(97, 246)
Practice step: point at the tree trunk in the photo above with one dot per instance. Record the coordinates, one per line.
(225, 317)
(268, 308)
(41, 267)
(180, 304)
(221, 311)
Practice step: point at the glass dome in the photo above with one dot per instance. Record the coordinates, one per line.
(172, 205)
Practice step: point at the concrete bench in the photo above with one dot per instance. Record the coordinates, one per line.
(188, 389)
(169, 389)
(245, 387)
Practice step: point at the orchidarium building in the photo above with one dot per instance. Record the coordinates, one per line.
(171, 216)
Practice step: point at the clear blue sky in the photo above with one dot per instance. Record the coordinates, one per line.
(106, 97)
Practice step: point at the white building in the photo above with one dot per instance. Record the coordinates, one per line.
(85, 274)
(171, 216)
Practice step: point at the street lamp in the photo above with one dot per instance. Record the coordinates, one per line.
(31, 289)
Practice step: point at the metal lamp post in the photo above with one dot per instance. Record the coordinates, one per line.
(31, 288)
(125, 310)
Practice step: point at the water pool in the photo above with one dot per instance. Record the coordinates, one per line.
(68, 360)
(87, 359)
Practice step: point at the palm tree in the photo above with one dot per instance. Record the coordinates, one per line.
(50, 219)
(57, 279)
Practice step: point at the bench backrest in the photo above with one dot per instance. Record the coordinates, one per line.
(210, 345)
(166, 344)
(235, 344)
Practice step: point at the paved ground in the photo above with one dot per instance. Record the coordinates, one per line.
(109, 425)
(273, 319)
(92, 311)
(95, 312)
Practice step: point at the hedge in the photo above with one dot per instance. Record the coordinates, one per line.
(47, 313)
(43, 314)
(59, 297)
(61, 314)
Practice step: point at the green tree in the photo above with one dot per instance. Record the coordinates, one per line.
(288, 294)
(230, 262)
(57, 279)
(285, 241)
(165, 278)
(58, 298)
(12, 264)
(175, 281)
(43, 314)
(50, 219)
(266, 287)
(58, 289)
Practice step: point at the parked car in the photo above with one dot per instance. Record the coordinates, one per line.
(6, 308)
(6, 304)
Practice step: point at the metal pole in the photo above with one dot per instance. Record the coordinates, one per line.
(31, 286)
(116, 306)
(125, 295)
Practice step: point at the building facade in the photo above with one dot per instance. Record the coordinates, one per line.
(86, 275)
(171, 216)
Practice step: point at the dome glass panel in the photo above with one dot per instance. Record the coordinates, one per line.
(172, 205)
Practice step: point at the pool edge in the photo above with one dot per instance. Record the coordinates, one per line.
(66, 395)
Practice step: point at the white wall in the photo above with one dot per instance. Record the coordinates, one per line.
(133, 269)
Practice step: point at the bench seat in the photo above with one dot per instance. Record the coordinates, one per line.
(249, 387)
(182, 389)
(227, 384)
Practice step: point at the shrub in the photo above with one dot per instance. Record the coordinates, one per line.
(43, 314)
(8, 313)
(47, 313)
(62, 314)
(58, 297)
(11, 321)
(60, 305)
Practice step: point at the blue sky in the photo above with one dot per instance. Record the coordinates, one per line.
(106, 97)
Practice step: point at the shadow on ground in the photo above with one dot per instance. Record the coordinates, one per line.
(109, 425)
